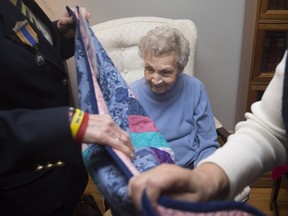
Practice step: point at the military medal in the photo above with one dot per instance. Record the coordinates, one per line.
(28, 36)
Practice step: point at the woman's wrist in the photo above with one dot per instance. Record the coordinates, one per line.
(78, 123)
(215, 181)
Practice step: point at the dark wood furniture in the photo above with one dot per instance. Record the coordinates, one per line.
(269, 44)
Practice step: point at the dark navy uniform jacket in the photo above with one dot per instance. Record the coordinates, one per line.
(41, 167)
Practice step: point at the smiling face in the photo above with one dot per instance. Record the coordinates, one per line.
(161, 72)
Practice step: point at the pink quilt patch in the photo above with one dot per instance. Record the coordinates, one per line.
(139, 124)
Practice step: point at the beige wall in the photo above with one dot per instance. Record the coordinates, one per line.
(55, 8)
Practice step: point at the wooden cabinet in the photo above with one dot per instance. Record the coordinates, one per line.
(269, 44)
(275, 10)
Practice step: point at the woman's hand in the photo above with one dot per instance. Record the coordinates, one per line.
(103, 130)
(66, 24)
(207, 182)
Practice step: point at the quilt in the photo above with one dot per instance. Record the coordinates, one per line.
(102, 90)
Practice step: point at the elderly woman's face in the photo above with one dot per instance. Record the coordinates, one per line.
(160, 72)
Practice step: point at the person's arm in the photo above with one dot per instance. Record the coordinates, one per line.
(32, 137)
(259, 143)
(206, 130)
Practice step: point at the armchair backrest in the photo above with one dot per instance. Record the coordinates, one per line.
(120, 38)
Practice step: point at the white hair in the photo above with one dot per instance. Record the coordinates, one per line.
(164, 40)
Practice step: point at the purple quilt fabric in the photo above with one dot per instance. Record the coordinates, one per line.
(101, 89)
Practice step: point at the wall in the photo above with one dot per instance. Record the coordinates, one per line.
(220, 27)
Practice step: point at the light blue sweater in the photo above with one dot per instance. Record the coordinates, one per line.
(183, 116)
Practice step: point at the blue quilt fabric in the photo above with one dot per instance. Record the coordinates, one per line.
(107, 168)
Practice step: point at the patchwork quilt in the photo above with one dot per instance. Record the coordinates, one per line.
(102, 90)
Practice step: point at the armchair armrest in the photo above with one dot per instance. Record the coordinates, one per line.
(221, 131)
(223, 134)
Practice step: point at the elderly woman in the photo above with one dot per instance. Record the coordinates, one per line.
(177, 103)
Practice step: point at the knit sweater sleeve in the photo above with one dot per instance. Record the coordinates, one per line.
(259, 143)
